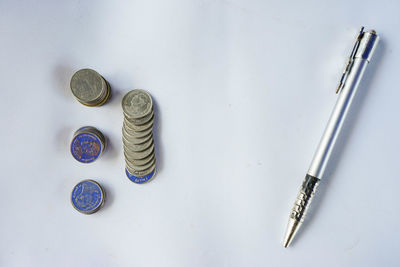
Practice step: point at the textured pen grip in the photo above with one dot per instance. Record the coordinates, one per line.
(304, 198)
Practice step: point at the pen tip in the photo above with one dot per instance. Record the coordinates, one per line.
(292, 228)
(286, 244)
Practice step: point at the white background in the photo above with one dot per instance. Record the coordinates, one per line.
(243, 90)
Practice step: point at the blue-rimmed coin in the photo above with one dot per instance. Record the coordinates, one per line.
(138, 179)
(87, 144)
(87, 197)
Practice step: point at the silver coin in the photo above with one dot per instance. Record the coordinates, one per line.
(132, 156)
(141, 173)
(88, 86)
(140, 121)
(137, 148)
(137, 104)
(140, 162)
(130, 126)
(143, 167)
(101, 100)
(135, 134)
(136, 141)
(105, 98)
(93, 130)
(129, 149)
(139, 155)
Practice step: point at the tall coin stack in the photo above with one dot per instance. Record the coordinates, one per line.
(137, 136)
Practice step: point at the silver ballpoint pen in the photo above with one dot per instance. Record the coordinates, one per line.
(360, 56)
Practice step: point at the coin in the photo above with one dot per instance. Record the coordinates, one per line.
(140, 180)
(141, 173)
(87, 196)
(90, 88)
(87, 144)
(91, 129)
(136, 134)
(136, 141)
(139, 155)
(133, 127)
(141, 168)
(107, 96)
(141, 121)
(140, 162)
(138, 147)
(137, 104)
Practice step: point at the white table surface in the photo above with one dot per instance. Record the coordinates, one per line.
(243, 90)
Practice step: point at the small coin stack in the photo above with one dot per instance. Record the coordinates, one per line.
(137, 136)
(87, 144)
(87, 197)
(90, 88)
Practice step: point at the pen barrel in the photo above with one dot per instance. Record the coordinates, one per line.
(335, 123)
(360, 62)
(304, 198)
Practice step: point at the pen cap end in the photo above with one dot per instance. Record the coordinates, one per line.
(368, 43)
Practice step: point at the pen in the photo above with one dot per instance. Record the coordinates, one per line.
(360, 56)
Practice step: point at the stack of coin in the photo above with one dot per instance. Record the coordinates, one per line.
(137, 136)
(87, 197)
(90, 88)
(87, 144)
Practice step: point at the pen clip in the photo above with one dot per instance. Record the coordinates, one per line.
(349, 62)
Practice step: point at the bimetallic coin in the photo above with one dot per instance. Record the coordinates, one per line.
(140, 173)
(137, 104)
(86, 147)
(140, 180)
(87, 197)
(139, 155)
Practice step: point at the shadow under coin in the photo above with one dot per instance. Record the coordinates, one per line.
(157, 128)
